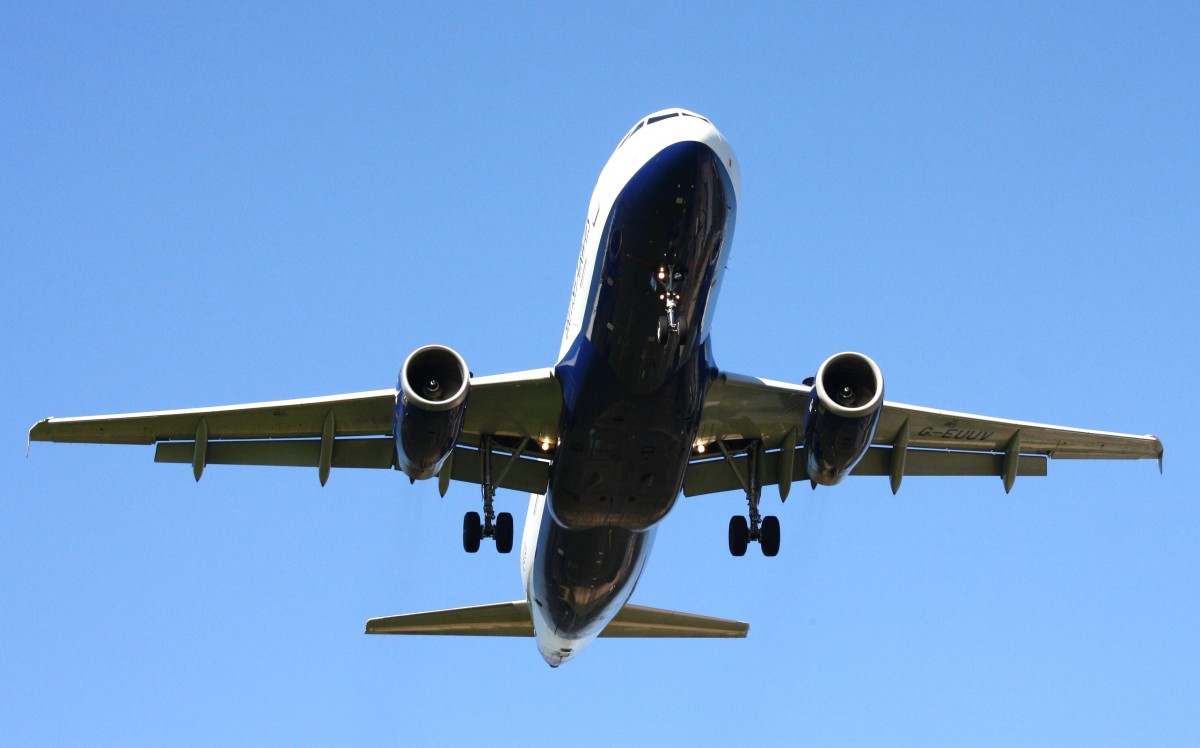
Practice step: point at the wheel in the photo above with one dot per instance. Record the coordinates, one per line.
(769, 536)
(739, 535)
(504, 532)
(664, 329)
(472, 532)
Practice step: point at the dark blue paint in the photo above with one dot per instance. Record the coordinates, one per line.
(835, 443)
(425, 438)
(631, 404)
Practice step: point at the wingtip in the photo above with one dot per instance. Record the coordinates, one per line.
(36, 431)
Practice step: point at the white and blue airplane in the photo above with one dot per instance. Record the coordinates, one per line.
(634, 413)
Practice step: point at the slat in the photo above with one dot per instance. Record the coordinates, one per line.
(527, 474)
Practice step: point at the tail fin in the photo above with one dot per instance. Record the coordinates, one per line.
(512, 619)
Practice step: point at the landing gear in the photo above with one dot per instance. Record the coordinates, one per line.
(743, 530)
(472, 532)
(768, 536)
(739, 535)
(496, 526)
(504, 532)
(670, 323)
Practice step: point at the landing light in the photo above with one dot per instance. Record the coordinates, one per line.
(545, 445)
(699, 447)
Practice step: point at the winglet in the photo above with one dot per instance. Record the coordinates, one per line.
(1159, 444)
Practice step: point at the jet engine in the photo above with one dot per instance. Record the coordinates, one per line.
(431, 403)
(843, 411)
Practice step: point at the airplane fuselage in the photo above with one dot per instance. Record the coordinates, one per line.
(634, 367)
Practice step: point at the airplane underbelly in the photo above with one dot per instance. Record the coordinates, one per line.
(622, 456)
(634, 379)
(580, 580)
(658, 266)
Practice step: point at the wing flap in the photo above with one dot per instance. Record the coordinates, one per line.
(716, 475)
(347, 453)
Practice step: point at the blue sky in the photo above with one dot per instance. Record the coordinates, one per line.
(203, 206)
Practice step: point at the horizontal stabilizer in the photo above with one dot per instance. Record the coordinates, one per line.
(636, 621)
(512, 619)
(499, 619)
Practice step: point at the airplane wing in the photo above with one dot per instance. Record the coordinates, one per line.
(909, 440)
(352, 430)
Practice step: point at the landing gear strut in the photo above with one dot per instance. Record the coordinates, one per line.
(743, 530)
(496, 526)
(669, 323)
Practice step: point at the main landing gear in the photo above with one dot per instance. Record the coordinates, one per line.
(496, 526)
(743, 530)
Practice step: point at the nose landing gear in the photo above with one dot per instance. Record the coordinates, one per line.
(670, 323)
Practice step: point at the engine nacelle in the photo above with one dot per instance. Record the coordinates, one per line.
(431, 403)
(843, 411)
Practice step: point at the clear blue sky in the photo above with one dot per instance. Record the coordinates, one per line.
(204, 206)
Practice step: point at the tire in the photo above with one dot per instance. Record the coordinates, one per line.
(739, 535)
(472, 532)
(504, 532)
(769, 536)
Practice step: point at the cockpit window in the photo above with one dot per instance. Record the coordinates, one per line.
(697, 116)
(629, 135)
(661, 117)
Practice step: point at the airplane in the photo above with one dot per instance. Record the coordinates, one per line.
(634, 413)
